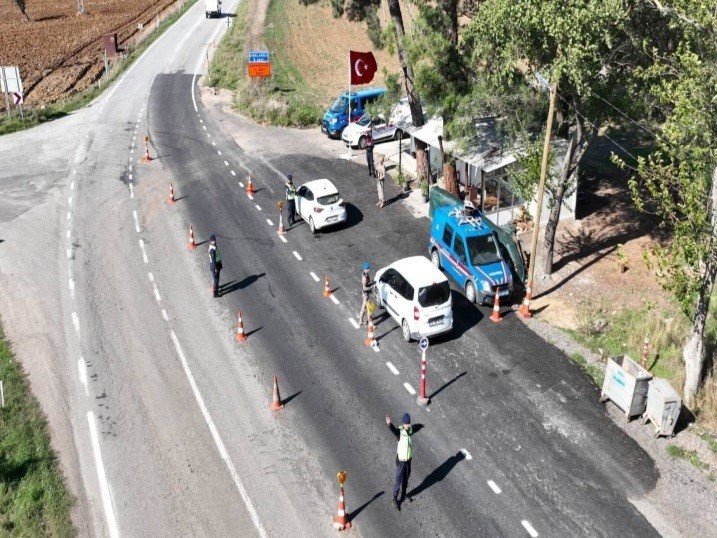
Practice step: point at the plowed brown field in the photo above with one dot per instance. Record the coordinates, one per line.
(60, 52)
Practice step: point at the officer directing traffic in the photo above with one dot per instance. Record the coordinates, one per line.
(366, 289)
(215, 264)
(404, 454)
(290, 191)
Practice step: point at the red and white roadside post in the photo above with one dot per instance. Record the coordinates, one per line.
(422, 398)
(645, 348)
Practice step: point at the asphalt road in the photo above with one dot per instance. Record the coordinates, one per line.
(161, 418)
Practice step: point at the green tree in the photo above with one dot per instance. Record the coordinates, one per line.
(678, 180)
(590, 47)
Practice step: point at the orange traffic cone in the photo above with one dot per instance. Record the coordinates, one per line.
(171, 198)
(281, 230)
(327, 289)
(241, 336)
(341, 521)
(524, 309)
(250, 186)
(495, 316)
(192, 244)
(146, 158)
(275, 398)
(370, 341)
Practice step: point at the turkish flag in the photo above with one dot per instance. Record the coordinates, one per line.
(363, 67)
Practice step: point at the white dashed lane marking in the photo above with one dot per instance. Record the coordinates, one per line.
(156, 294)
(71, 284)
(82, 372)
(164, 315)
(333, 299)
(268, 221)
(69, 253)
(314, 276)
(131, 191)
(67, 234)
(409, 388)
(528, 527)
(144, 252)
(213, 143)
(283, 238)
(494, 487)
(151, 277)
(226, 163)
(69, 200)
(72, 185)
(352, 321)
(391, 367)
(130, 177)
(136, 221)
(258, 207)
(219, 153)
(204, 127)
(76, 322)
(249, 195)
(69, 215)
(241, 184)
(296, 255)
(233, 172)
(466, 454)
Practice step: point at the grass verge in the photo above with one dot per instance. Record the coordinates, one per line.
(689, 455)
(593, 370)
(59, 109)
(285, 99)
(33, 497)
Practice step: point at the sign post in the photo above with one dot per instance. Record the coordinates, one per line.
(422, 398)
(11, 83)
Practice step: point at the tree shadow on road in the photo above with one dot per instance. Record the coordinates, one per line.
(438, 474)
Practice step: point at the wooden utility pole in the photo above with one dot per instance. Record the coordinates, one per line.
(524, 309)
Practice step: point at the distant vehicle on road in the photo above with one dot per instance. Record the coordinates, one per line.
(357, 133)
(417, 296)
(212, 8)
(319, 204)
(336, 118)
(466, 247)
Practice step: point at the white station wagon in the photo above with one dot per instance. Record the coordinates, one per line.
(417, 296)
(319, 204)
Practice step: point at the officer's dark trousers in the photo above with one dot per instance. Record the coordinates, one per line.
(369, 163)
(403, 471)
(215, 282)
(290, 212)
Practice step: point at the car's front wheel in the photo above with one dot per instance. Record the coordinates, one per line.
(312, 226)
(405, 329)
(362, 142)
(398, 134)
(471, 292)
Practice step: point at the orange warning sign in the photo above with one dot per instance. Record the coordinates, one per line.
(260, 69)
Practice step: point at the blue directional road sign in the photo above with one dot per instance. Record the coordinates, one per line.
(258, 56)
(423, 344)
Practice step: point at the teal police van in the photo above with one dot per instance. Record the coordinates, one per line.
(337, 116)
(463, 245)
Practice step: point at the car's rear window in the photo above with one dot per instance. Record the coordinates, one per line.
(434, 295)
(328, 199)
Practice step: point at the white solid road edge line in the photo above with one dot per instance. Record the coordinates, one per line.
(494, 487)
(102, 477)
(217, 438)
(391, 367)
(528, 527)
(409, 388)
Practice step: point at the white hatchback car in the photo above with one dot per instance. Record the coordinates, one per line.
(319, 204)
(417, 296)
(356, 134)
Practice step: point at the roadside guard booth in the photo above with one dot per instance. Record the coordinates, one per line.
(626, 385)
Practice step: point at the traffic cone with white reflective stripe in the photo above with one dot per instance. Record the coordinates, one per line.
(250, 186)
(370, 341)
(524, 309)
(192, 244)
(241, 335)
(495, 316)
(171, 198)
(327, 289)
(341, 521)
(275, 398)
(146, 158)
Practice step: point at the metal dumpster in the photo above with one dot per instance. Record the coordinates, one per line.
(626, 384)
(663, 407)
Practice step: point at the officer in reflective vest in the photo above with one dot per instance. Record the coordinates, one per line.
(404, 454)
(366, 289)
(290, 199)
(215, 264)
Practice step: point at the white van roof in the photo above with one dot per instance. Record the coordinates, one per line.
(419, 271)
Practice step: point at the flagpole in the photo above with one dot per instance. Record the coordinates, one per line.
(349, 86)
